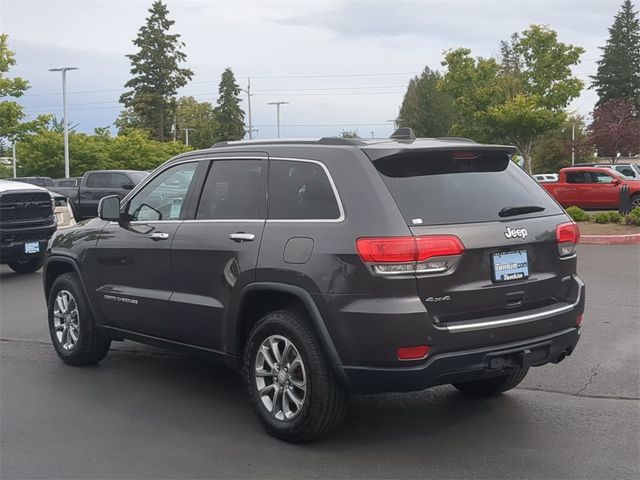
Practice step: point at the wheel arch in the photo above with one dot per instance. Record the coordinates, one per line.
(57, 265)
(249, 309)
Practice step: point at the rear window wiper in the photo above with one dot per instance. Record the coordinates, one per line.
(520, 210)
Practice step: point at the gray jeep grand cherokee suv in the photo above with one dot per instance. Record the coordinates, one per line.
(320, 268)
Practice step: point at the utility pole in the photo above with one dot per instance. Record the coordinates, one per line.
(64, 71)
(186, 134)
(573, 143)
(14, 161)
(277, 104)
(248, 92)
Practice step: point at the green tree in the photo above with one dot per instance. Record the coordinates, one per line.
(552, 150)
(425, 108)
(228, 112)
(618, 73)
(157, 75)
(42, 153)
(518, 98)
(199, 116)
(12, 127)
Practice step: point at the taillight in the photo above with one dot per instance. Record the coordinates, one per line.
(412, 353)
(567, 237)
(396, 255)
(579, 320)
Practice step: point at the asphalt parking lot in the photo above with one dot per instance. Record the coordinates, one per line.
(146, 413)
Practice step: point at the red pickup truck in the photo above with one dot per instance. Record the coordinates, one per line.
(591, 188)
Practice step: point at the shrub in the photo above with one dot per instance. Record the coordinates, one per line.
(614, 217)
(577, 214)
(633, 218)
(602, 217)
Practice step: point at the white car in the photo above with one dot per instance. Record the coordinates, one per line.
(546, 177)
(62, 210)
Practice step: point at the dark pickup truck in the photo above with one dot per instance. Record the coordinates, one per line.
(96, 184)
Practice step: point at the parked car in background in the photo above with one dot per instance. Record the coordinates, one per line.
(39, 181)
(629, 170)
(27, 221)
(546, 177)
(62, 210)
(320, 268)
(67, 182)
(592, 188)
(96, 184)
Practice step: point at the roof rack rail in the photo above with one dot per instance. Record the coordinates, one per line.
(293, 141)
(404, 133)
(457, 139)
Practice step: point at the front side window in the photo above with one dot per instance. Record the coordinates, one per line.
(120, 180)
(233, 190)
(597, 177)
(301, 191)
(163, 197)
(98, 180)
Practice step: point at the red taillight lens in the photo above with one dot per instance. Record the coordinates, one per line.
(567, 232)
(567, 237)
(579, 320)
(407, 249)
(412, 353)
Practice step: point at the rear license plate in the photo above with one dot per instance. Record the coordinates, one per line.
(512, 265)
(32, 247)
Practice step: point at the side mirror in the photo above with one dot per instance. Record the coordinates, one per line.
(128, 186)
(109, 208)
(615, 181)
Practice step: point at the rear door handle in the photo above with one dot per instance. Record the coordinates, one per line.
(158, 236)
(242, 237)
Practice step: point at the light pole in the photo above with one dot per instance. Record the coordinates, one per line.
(64, 71)
(15, 167)
(186, 134)
(277, 104)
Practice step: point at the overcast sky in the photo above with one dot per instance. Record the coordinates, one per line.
(341, 64)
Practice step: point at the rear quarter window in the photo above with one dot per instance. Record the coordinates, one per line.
(443, 187)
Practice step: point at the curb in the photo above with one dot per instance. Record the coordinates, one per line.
(610, 239)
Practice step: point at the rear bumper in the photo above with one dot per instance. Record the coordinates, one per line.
(465, 365)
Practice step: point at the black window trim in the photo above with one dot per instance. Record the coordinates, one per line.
(336, 195)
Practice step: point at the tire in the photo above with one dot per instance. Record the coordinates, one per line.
(73, 330)
(323, 400)
(492, 386)
(635, 202)
(26, 266)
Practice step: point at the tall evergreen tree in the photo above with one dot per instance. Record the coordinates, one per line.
(618, 73)
(228, 112)
(427, 110)
(157, 75)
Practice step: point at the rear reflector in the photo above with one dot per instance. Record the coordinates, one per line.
(407, 249)
(567, 237)
(579, 320)
(413, 353)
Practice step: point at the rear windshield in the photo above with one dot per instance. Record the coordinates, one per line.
(439, 188)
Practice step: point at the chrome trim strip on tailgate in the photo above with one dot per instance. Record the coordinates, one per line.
(502, 321)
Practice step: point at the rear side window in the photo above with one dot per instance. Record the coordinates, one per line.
(440, 188)
(576, 177)
(300, 191)
(233, 190)
(98, 180)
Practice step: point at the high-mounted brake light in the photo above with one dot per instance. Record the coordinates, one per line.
(464, 155)
(567, 238)
(396, 255)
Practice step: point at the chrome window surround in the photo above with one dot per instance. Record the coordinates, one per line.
(141, 185)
